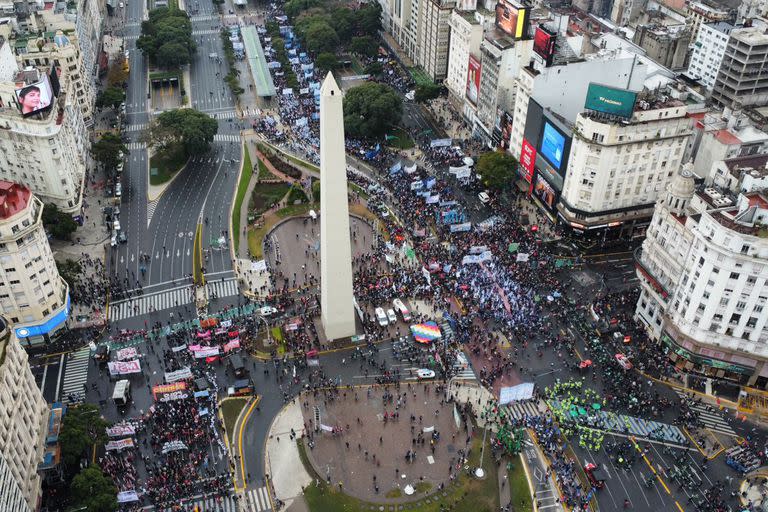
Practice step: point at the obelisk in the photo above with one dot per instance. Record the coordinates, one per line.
(336, 301)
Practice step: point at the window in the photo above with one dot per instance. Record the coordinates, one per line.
(741, 305)
(752, 321)
(744, 249)
(715, 270)
(735, 318)
(734, 275)
(751, 280)
(10, 269)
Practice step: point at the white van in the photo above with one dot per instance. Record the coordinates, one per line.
(400, 308)
(381, 317)
(122, 393)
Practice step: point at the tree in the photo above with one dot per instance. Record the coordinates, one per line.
(166, 37)
(496, 169)
(293, 8)
(320, 37)
(426, 92)
(117, 75)
(59, 224)
(343, 22)
(374, 68)
(81, 429)
(371, 109)
(107, 151)
(93, 491)
(327, 62)
(365, 46)
(186, 126)
(369, 18)
(111, 97)
(70, 271)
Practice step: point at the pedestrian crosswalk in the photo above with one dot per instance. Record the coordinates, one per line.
(226, 137)
(146, 304)
(257, 500)
(462, 368)
(230, 114)
(75, 375)
(151, 205)
(518, 410)
(135, 146)
(709, 416)
(203, 17)
(206, 32)
(225, 288)
(136, 127)
(221, 504)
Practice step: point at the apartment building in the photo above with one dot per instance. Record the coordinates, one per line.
(743, 76)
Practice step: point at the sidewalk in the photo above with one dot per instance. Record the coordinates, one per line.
(283, 464)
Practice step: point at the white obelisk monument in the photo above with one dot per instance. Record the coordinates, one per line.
(338, 314)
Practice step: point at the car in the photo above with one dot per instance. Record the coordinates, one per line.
(595, 475)
(267, 311)
(113, 241)
(624, 361)
(121, 237)
(116, 225)
(484, 197)
(399, 305)
(118, 189)
(391, 316)
(424, 373)
(116, 210)
(381, 317)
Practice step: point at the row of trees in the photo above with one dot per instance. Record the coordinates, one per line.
(323, 29)
(166, 38)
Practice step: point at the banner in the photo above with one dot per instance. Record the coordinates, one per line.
(511, 394)
(258, 266)
(478, 249)
(473, 80)
(127, 353)
(416, 185)
(184, 373)
(427, 275)
(124, 367)
(433, 199)
(440, 143)
(206, 352)
(476, 258)
(429, 183)
(119, 444)
(395, 168)
(458, 228)
(163, 390)
(231, 345)
(522, 257)
(172, 446)
(121, 430)
(411, 169)
(179, 348)
(227, 323)
(127, 496)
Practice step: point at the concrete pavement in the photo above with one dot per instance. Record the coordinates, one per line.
(284, 467)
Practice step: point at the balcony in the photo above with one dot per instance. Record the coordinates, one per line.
(652, 279)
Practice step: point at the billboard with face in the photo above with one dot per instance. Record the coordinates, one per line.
(545, 192)
(36, 97)
(473, 80)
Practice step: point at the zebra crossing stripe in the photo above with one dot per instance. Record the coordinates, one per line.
(226, 137)
(259, 500)
(144, 304)
(151, 205)
(75, 373)
(135, 146)
(227, 288)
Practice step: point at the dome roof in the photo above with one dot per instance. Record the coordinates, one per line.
(682, 184)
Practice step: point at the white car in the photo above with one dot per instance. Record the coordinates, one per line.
(424, 373)
(116, 225)
(484, 197)
(267, 311)
(381, 317)
(391, 316)
(118, 189)
(113, 241)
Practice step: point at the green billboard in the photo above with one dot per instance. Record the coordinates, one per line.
(609, 100)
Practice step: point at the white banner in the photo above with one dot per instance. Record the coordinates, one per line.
(522, 257)
(226, 323)
(511, 394)
(127, 496)
(258, 266)
(410, 170)
(326, 428)
(127, 353)
(121, 430)
(179, 348)
(427, 275)
(433, 199)
(476, 258)
(124, 367)
(478, 249)
(119, 444)
(464, 226)
(171, 446)
(206, 352)
(184, 373)
(355, 77)
(440, 143)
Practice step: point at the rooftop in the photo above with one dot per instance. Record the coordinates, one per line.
(13, 198)
(744, 135)
(753, 164)
(751, 36)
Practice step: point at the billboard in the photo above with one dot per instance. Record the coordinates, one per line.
(473, 80)
(610, 100)
(506, 130)
(528, 160)
(512, 19)
(544, 44)
(36, 97)
(545, 192)
(552, 145)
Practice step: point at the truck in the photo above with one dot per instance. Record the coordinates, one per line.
(240, 388)
(122, 393)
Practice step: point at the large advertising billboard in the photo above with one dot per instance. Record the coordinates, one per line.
(506, 130)
(473, 80)
(36, 97)
(528, 160)
(552, 145)
(544, 44)
(545, 192)
(610, 100)
(512, 19)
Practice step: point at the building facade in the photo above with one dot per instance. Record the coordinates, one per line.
(703, 271)
(700, 13)
(23, 420)
(666, 45)
(11, 496)
(708, 52)
(434, 37)
(466, 35)
(46, 151)
(743, 75)
(32, 294)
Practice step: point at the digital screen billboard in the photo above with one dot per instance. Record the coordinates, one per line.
(552, 145)
(528, 160)
(506, 130)
(473, 80)
(544, 44)
(36, 97)
(512, 19)
(611, 101)
(545, 192)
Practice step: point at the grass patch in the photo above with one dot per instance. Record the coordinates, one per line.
(167, 164)
(265, 195)
(394, 493)
(403, 140)
(277, 333)
(519, 490)
(420, 76)
(242, 187)
(255, 238)
(359, 190)
(423, 487)
(230, 410)
(467, 494)
(293, 159)
(293, 210)
(264, 173)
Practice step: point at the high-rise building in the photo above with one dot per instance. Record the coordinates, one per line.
(23, 420)
(32, 294)
(667, 45)
(44, 146)
(708, 52)
(700, 13)
(433, 37)
(743, 76)
(466, 35)
(703, 270)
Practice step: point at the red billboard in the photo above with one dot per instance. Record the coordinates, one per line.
(473, 80)
(528, 160)
(544, 44)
